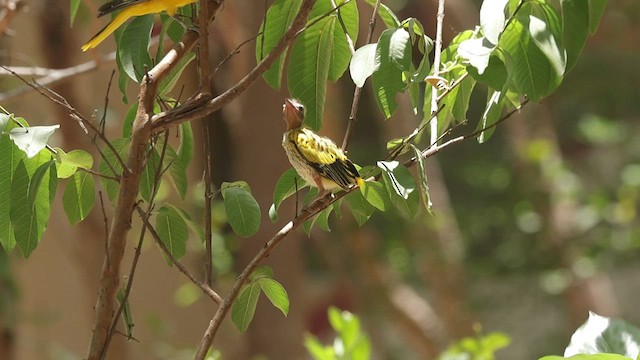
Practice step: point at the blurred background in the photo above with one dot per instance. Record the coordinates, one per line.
(531, 230)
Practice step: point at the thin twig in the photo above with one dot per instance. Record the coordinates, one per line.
(235, 52)
(56, 76)
(208, 198)
(358, 91)
(56, 98)
(204, 287)
(436, 71)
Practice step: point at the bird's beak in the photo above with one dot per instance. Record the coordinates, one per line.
(291, 115)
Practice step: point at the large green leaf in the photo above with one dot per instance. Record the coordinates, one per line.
(111, 167)
(360, 208)
(375, 194)
(422, 176)
(575, 28)
(491, 114)
(242, 211)
(11, 156)
(363, 64)
(588, 357)
(401, 187)
(133, 47)
(341, 50)
(287, 185)
(33, 189)
(530, 70)
(279, 17)
(172, 230)
(168, 82)
(149, 174)
(309, 65)
(391, 51)
(276, 293)
(601, 334)
(596, 10)
(244, 307)
(492, 19)
(79, 197)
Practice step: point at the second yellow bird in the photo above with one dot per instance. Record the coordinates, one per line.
(131, 8)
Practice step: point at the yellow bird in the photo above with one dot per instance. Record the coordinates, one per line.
(131, 8)
(317, 159)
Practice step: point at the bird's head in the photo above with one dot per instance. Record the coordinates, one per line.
(293, 113)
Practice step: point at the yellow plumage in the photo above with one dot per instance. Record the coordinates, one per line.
(131, 8)
(317, 159)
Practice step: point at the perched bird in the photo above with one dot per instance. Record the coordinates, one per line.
(317, 159)
(129, 9)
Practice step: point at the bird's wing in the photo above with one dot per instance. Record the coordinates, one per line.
(326, 158)
(116, 5)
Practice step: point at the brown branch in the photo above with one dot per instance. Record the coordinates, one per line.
(358, 91)
(197, 109)
(129, 187)
(52, 77)
(203, 49)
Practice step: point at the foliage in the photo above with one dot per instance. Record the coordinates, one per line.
(480, 347)
(521, 51)
(350, 341)
(602, 338)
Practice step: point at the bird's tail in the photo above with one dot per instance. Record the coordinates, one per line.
(104, 33)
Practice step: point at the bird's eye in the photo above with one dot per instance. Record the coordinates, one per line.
(300, 108)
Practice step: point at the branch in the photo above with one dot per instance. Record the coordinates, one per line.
(129, 187)
(198, 109)
(436, 72)
(51, 77)
(358, 91)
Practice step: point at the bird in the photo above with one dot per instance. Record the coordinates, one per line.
(131, 8)
(317, 159)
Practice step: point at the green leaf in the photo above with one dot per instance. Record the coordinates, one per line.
(261, 272)
(530, 71)
(279, 17)
(545, 26)
(33, 188)
(242, 211)
(492, 19)
(491, 114)
(244, 307)
(168, 82)
(495, 74)
(149, 173)
(79, 197)
(401, 187)
(317, 350)
(588, 357)
(69, 163)
(180, 160)
(477, 52)
(363, 64)
(174, 28)
(463, 95)
(11, 156)
(575, 28)
(600, 334)
(133, 47)
(309, 65)
(276, 293)
(122, 148)
(172, 230)
(32, 139)
(596, 10)
(375, 194)
(387, 77)
(73, 10)
(286, 186)
(422, 176)
(388, 17)
(341, 50)
(239, 184)
(359, 207)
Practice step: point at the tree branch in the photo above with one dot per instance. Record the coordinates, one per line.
(129, 187)
(199, 109)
